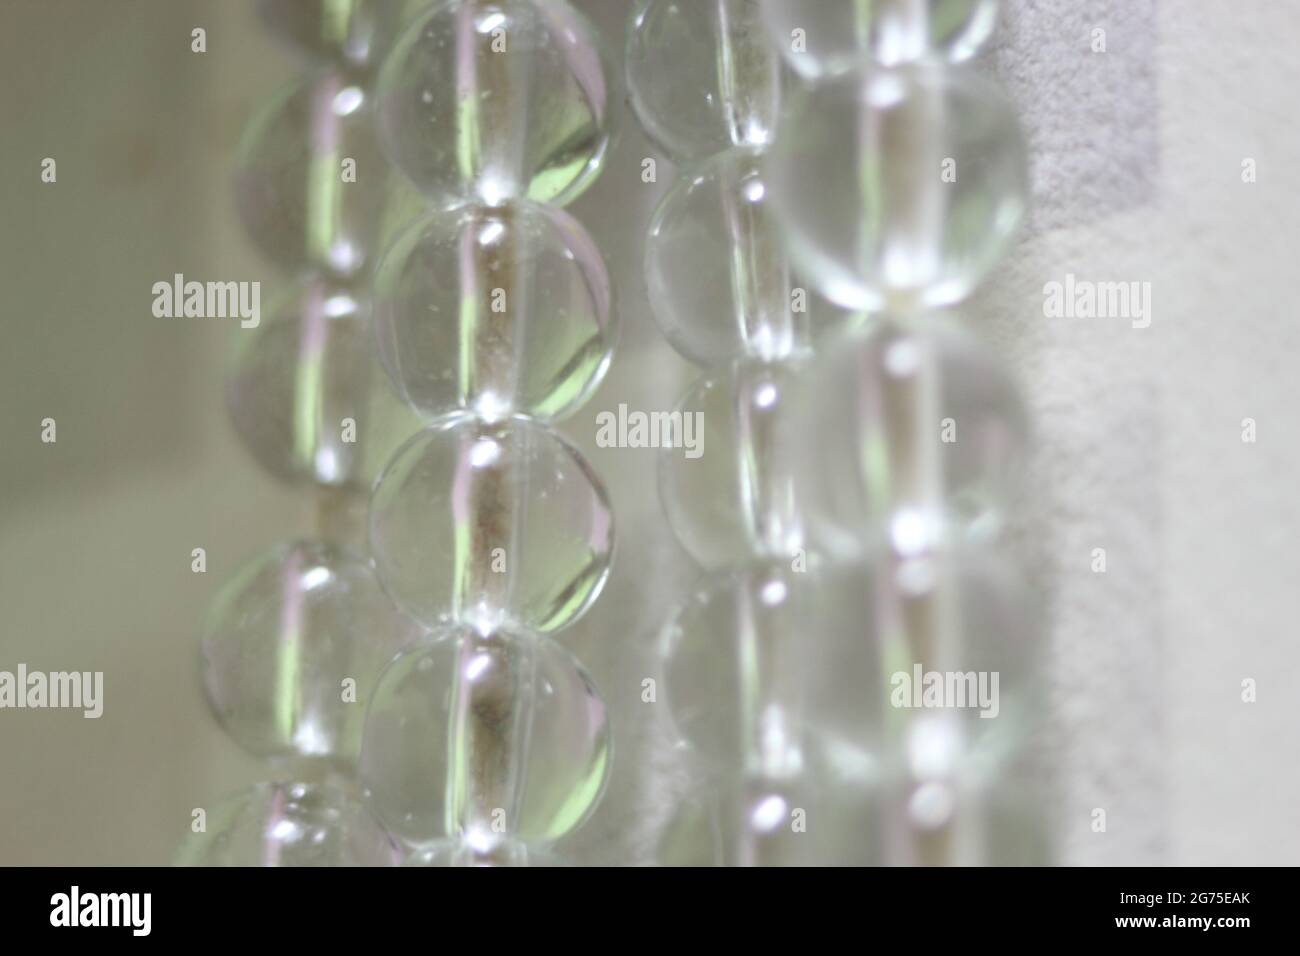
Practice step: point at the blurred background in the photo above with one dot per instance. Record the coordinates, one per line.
(1136, 159)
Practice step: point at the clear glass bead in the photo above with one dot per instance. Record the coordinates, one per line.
(498, 310)
(904, 436)
(497, 100)
(818, 38)
(485, 736)
(491, 523)
(715, 265)
(767, 673)
(352, 33)
(729, 491)
(307, 395)
(899, 188)
(290, 824)
(310, 179)
(701, 75)
(292, 647)
(507, 853)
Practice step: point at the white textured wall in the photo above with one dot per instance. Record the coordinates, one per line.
(1140, 429)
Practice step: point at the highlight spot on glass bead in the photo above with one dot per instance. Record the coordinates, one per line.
(458, 853)
(759, 822)
(292, 647)
(495, 310)
(497, 100)
(485, 737)
(491, 523)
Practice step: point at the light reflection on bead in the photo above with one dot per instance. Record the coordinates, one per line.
(485, 736)
(762, 823)
(836, 36)
(497, 99)
(290, 824)
(854, 437)
(281, 640)
(497, 310)
(307, 396)
(489, 524)
(511, 853)
(298, 202)
(899, 189)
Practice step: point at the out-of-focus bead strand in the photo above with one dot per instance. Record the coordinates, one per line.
(295, 641)
(900, 178)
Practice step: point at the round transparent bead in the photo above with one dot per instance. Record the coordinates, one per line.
(485, 736)
(702, 76)
(899, 188)
(507, 853)
(497, 100)
(766, 673)
(310, 180)
(307, 396)
(282, 639)
(497, 310)
(491, 523)
(352, 34)
(728, 489)
(904, 436)
(715, 266)
(837, 36)
(290, 824)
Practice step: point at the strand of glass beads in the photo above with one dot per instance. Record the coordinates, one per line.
(707, 87)
(781, 678)
(295, 641)
(487, 742)
(899, 178)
